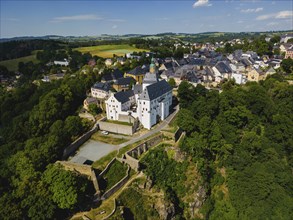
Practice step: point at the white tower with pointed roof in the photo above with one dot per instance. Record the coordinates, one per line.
(150, 77)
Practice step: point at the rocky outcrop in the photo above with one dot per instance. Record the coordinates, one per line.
(165, 209)
(148, 184)
(197, 203)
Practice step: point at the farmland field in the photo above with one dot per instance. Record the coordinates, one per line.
(107, 51)
(12, 65)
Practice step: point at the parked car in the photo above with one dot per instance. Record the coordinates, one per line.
(105, 132)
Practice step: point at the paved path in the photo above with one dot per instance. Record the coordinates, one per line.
(92, 150)
(154, 130)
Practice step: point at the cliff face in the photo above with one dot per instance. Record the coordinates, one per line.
(165, 209)
(197, 203)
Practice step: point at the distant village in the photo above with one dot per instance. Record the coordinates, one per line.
(205, 67)
(144, 94)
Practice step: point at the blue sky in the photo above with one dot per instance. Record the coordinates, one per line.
(91, 18)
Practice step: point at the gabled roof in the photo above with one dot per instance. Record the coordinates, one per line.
(271, 70)
(125, 81)
(137, 89)
(209, 71)
(102, 86)
(116, 74)
(246, 62)
(90, 100)
(222, 67)
(124, 96)
(197, 62)
(183, 61)
(139, 70)
(168, 73)
(155, 90)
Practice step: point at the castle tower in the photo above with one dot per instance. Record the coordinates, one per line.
(150, 77)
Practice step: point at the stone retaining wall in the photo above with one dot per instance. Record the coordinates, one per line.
(77, 143)
(80, 168)
(95, 182)
(114, 210)
(132, 162)
(116, 128)
(131, 156)
(117, 186)
(178, 134)
(106, 168)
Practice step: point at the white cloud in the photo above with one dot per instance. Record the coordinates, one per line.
(88, 17)
(251, 10)
(272, 24)
(284, 14)
(279, 15)
(114, 26)
(201, 3)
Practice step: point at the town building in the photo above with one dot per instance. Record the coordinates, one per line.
(62, 63)
(239, 78)
(100, 90)
(138, 73)
(113, 76)
(149, 102)
(108, 62)
(289, 53)
(124, 84)
(255, 75)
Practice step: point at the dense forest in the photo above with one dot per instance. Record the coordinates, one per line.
(37, 122)
(16, 49)
(241, 140)
(236, 158)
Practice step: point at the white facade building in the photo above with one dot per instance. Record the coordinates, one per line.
(100, 90)
(149, 102)
(62, 63)
(239, 78)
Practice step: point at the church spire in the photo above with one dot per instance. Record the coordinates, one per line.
(153, 68)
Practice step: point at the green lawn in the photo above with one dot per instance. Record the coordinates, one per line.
(116, 172)
(12, 64)
(119, 122)
(108, 139)
(107, 51)
(102, 162)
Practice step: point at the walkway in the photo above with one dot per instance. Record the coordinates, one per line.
(92, 150)
(154, 130)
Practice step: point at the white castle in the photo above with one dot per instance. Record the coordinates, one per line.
(149, 102)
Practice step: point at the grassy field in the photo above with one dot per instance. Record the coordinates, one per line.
(116, 172)
(108, 139)
(119, 122)
(107, 51)
(12, 65)
(102, 163)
